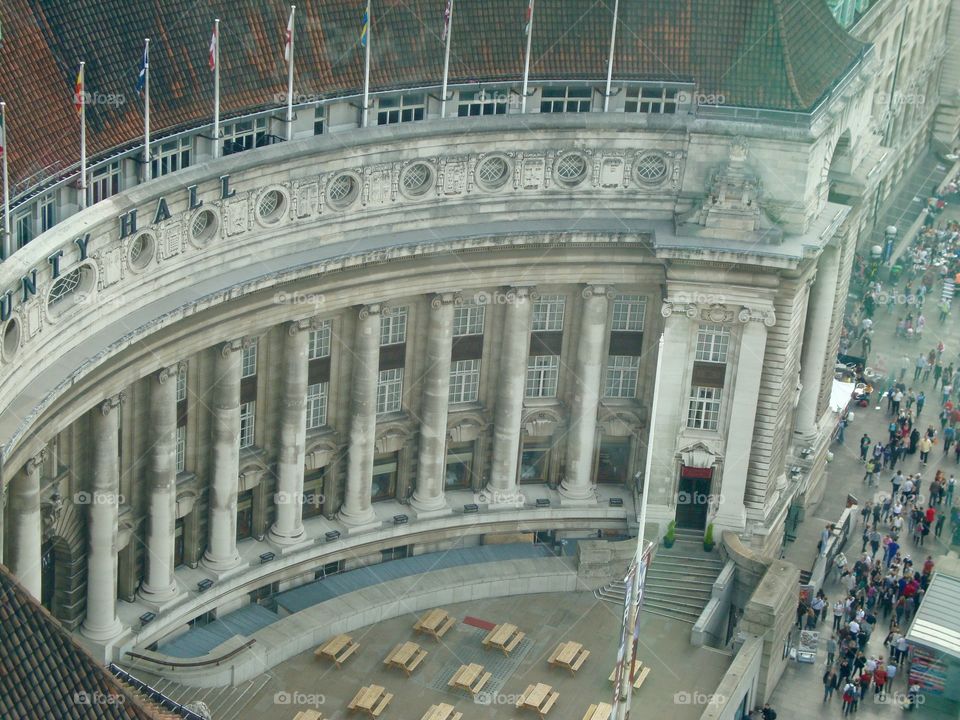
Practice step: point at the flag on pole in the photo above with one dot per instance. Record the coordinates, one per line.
(3, 135)
(365, 30)
(144, 63)
(78, 100)
(447, 11)
(288, 45)
(214, 40)
(528, 18)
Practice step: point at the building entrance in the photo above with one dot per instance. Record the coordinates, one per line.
(693, 494)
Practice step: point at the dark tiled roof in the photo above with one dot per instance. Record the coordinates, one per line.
(44, 673)
(780, 54)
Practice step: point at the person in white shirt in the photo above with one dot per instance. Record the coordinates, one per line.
(854, 628)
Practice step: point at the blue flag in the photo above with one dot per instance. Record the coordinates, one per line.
(142, 77)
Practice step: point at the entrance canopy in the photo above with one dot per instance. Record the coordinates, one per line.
(937, 623)
(840, 395)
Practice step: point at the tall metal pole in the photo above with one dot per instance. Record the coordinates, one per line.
(83, 137)
(613, 44)
(526, 61)
(366, 67)
(146, 112)
(621, 710)
(216, 88)
(7, 244)
(448, 28)
(293, 10)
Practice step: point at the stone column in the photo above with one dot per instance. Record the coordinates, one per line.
(731, 512)
(221, 553)
(432, 460)
(816, 336)
(23, 553)
(511, 386)
(288, 527)
(159, 584)
(576, 487)
(101, 621)
(356, 508)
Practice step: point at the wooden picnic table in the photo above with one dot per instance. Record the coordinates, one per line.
(406, 656)
(308, 715)
(598, 711)
(639, 674)
(569, 655)
(470, 677)
(539, 698)
(435, 623)
(443, 711)
(371, 699)
(337, 649)
(504, 637)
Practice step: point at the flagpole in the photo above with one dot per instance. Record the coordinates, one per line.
(366, 68)
(146, 112)
(293, 10)
(83, 137)
(216, 89)
(613, 43)
(7, 245)
(621, 709)
(448, 26)
(526, 62)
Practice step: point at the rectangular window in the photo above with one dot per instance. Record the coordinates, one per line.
(384, 486)
(182, 385)
(712, 343)
(405, 108)
(316, 405)
(389, 391)
(542, 374)
(181, 448)
(628, 313)
(464, 381)
(468, 320)
(459, 466)
(622, 372)
(565, 99)
(104, 181)
(24, 228)
(244, 135)
(170, 156)
(651, 100)
(393, 326)
(48, 212)
(548, 313)
(318, 345)
(319, 119)
(248, 364)
(704, 412)
(248, 422)
(312, 500)
(473, 103)
(534, 463)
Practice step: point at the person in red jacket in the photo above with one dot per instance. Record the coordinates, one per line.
(930, 515)
(879, 681)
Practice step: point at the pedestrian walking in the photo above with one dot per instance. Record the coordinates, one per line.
(830, 681)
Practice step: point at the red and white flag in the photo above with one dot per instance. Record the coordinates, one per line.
(446, 20)
(288, 45)
(214, 41)
(529, 18)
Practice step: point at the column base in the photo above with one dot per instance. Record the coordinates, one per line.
(221, 565)
(733, 519)
(160, 596)
(430, 507)
(158, 605)
(282, 539)
(577, 495)
(363, 518)
(288, 548)
(102, 634)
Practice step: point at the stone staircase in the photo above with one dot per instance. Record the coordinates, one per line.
(679, 581)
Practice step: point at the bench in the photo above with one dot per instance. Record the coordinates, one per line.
(641, 677)
(598, 711)
(545, 708)
(443, 629)
(384, 701)
(308, 715)
(341, 657)
(514, 641)
(417, 659)
(578, 663)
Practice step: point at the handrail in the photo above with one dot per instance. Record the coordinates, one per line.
(200, 663)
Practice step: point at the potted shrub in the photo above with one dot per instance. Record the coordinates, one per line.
(708, 538)
(671, 537)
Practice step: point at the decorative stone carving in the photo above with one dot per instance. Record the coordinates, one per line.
(110, 265)
(306, 198)
(612, 172)
(372, 309)
(466, 427)
(392, 438)
(453, 176)
(533, 170)
(597, 289)
(112, 403)
(237, 213)
(171, 239)
(699, 455)
(765, 315)
(321, 453)
(711, 313)
(542, 422)
(441, 299)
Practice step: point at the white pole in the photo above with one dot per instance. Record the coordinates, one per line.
(613, 43)
(448, 25)
(146, 112)
(83, 138)
(366, 68)
(293, 10)
(7, 244)
(216, 89)
(622, 709)
(526, 62)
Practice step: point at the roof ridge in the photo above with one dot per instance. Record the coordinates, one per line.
(785, 46)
